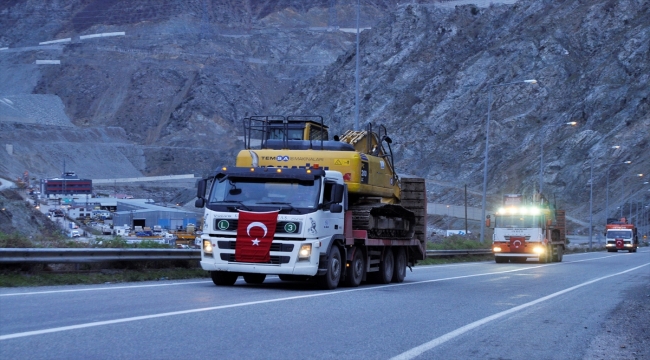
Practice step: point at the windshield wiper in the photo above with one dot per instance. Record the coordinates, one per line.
(235, 201)
(280, 203)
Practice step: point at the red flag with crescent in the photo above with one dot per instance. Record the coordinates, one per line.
(517, 243)
(255, 232)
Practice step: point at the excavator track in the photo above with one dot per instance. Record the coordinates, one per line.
(384, 221)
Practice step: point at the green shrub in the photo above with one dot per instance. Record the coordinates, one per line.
(15, 240)
(457, 242)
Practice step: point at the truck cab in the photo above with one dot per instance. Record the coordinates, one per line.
(523, 231)
(620, 235)
(309, 203)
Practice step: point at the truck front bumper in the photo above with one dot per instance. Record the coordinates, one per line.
(290, 263)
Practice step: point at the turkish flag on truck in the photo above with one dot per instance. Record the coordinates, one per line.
(255, 233)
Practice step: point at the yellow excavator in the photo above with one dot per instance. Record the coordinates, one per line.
(388, 206)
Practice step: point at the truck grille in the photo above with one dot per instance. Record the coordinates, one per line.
(232, 245)
(274, 259)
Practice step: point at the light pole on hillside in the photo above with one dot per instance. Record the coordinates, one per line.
(356, 74)
(607, 187)
(541, 156)
(487, 138)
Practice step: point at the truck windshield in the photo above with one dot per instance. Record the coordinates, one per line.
(619, 234)
(518, 221)
(289, 194)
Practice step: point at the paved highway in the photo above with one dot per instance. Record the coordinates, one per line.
(462, 311)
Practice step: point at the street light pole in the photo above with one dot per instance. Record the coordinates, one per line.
(487, 138)
(607, 189)
(356, 74)
(541, 156)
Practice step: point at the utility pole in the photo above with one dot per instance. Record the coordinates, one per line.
(466, 232)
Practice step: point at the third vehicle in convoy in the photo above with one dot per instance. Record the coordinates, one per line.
(620, 235)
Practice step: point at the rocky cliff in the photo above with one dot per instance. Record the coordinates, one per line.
(183, 76)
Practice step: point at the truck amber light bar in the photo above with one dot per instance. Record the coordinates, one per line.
(514, 210)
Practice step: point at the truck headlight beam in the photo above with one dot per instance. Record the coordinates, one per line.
(305, 251)
(207, 247)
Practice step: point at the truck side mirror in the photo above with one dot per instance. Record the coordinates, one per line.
(549, 222)
(199, 203)
(200, 189)
(337, 193)
(487, 221)
(336, 208)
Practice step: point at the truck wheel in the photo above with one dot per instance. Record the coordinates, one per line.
(558, 254)
(500, 259)
(254, 278)
(331, 279)
(385, 274)
(223, 278)
(399, 272)
(355, 271)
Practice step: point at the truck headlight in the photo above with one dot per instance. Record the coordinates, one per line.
(496, 249)
(538, 250)
(305, 251)
(207, 246)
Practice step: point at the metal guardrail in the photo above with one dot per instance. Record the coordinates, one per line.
(84, 255)
(441, 253)
(59, 256)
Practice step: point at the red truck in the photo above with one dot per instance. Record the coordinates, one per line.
(620, 235)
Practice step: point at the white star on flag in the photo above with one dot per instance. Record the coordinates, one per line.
(256, 242)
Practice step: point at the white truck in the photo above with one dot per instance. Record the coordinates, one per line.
(331, 210)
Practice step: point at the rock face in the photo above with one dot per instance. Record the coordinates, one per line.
(186, 73)
(427, 74)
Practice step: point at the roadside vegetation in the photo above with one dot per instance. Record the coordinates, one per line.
(17, 275)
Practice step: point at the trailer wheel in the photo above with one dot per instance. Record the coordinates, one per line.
(385, 274)
(331, 278)
(254, 278)
(357, 267)
(223, 278)
(399, 272)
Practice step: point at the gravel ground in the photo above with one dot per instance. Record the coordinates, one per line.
(626, 331)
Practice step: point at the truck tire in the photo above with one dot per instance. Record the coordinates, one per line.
(558, 254)
(354, 273)
(330, 280)
(254, 278)
(500, 259)
(399, 271)
(547, 256)
(223, 278)
(385, 273)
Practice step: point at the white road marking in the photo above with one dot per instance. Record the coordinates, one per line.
(103, 288)
(240, 280)
(419, 350)
(259, 302)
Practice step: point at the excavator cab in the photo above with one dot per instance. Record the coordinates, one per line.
(271, 130)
